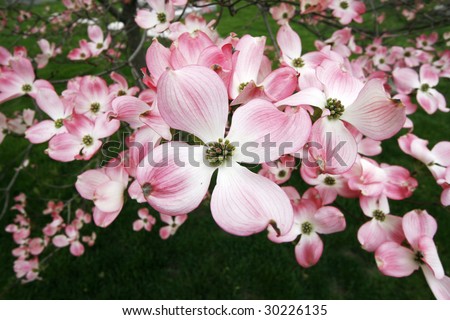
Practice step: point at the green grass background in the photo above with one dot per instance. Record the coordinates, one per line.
(201, 261)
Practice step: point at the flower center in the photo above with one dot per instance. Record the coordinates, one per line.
(219, 151)
(121, 93)
(336, 108)
(382, 61)
(329, 181)
(147, 189)
(344, 5)
(95, 107)
(161, 17)
(285, 15)
(407, 54)
(307, 228)
(298, 62)
(425, 87)
(88, 140)
(59, 123)
(282, 173)
(27, 88)
(379, 215)
(99, 45)
(418, 257)
(242, 86)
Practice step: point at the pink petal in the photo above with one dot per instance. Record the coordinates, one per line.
(104, 219)
(309, 250)
(165, 232)
(128, 109)
(89, 181)
(174, 178)
(76, 248)
(370, 204)
(64, 147)
(166, 218)
(41, 131)
(427, 101)
(24, 69)
(194, 99)
(104, 127)
(191, 45)
(329, 220)
(280, 83)
(406, 80)
(331, 146)
(95, 34)
(259, 122)
(143, 213)
(49, 102)
(371, 235)
(430, 256)
(108, 196)
(374, 114)
(441, 153)
(157, 59)
(445, 197)
(138, 225)
(247, 65)
(146, 19)
(369, 147)
(289, 42)
(395, 261)
(154, 120)
(135, 192)
(309, 96)
(416, 224)
(60, 241)
(338, 84)
(440, 288)
(244, 203)
(429, 75)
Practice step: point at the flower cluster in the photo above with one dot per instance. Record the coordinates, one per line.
(27, 265)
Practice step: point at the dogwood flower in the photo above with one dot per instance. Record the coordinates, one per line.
(58, 110)
(173, 223)
(430, 99)
(48, 51)
(346, 100)
(348, 10)
(104, 186)
(20, 80)
(98, 42)
(159, 17)
(310, 219)
(395, 260)
(382, 228)
(72, 238)
(436, 159)
(146, 220)
(282, 13)
(175, 177)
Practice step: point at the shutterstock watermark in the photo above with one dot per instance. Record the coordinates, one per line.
(189, 151)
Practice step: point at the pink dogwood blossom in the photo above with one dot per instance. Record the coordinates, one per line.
(146, 221)
(310, 219)
(194, 99)
(20, 80)
(395, 260)
(105, 187)
(173, 223)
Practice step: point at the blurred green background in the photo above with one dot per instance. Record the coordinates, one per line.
(201, 261)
